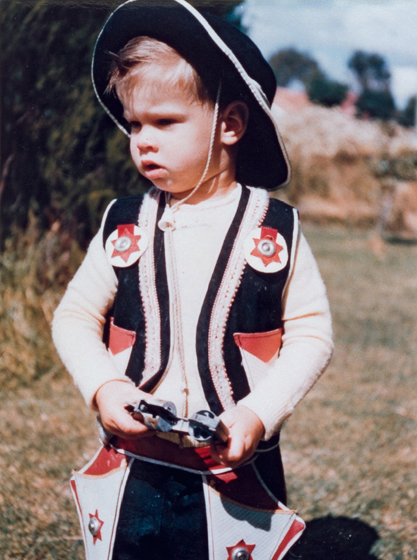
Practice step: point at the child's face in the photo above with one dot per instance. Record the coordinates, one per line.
(170, 136)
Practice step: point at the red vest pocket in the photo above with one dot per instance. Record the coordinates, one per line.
(262, 345)
(120, 339)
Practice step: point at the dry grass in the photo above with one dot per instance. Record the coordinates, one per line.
(47, 431)
(349, 450)
(337, 135)
(33, 272)
(342, 166)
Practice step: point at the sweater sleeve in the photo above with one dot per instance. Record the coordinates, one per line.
(306, 344)
(77, 326)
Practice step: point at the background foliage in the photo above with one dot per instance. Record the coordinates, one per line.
(290, 64)
(369, 70)
(374, 80)
(67, 157)
(62, 158)
(326, 92)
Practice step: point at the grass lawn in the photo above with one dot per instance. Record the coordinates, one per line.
(349, 450)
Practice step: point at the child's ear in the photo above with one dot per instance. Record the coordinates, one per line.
(233, 122)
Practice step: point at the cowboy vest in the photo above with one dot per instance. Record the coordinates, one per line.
(240, 324)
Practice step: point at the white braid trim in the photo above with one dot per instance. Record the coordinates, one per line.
(147, 284)
(254, 214)
(295, 234)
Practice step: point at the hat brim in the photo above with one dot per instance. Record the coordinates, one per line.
(214, 48)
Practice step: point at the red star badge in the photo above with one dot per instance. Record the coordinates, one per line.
(126, 231)
(241, 545)
(266, 247)
(95, 526)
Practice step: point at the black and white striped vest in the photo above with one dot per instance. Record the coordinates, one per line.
(240, 325)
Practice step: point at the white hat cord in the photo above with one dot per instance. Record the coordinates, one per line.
(167, 220)
(167, 224)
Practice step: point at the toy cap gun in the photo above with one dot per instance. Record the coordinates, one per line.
(161, 416)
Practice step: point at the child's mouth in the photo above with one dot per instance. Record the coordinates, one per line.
(152, 170)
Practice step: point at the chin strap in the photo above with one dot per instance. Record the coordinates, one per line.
(167, 224)
(167, 220)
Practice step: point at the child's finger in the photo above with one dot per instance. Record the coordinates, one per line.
(230, 455)
(124, 426)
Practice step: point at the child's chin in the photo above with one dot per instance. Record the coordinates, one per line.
(175, 191)
(161, 185)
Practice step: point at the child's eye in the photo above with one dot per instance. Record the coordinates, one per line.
(134, 125)
(165, 122)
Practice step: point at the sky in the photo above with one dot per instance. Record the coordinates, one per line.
(331, 30)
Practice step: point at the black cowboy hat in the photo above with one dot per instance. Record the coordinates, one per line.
(219, 52)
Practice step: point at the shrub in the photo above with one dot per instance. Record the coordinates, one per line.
(376, 104)
(34, 269)
(326, 92)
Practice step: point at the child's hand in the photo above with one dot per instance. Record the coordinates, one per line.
(245, 432)
(111, 400)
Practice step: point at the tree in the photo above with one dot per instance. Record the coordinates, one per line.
(290, 64)
(376, 104)
(407, 116)
(370, 70)
(326, 92)
(374, 80)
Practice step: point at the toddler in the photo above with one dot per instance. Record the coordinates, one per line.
(207, 291)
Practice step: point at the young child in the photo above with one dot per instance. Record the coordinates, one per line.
(215, 299)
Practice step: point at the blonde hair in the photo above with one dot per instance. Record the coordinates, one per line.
(147, 58)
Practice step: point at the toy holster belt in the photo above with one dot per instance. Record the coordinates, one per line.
(237, 499)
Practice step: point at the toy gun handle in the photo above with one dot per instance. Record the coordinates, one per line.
(156, 414)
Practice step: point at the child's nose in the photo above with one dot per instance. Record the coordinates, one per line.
(146, 141)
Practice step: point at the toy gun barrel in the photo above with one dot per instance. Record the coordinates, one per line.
(161, 416)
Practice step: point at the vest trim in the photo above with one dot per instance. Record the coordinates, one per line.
(296, 231)
(147, 287)
(155, 296)
(220, 295)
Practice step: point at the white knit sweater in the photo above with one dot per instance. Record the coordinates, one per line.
(197, 239)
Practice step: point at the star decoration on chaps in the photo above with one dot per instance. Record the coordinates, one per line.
(266, 247)
(95, 526)
(241, 551)
(126, 231)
